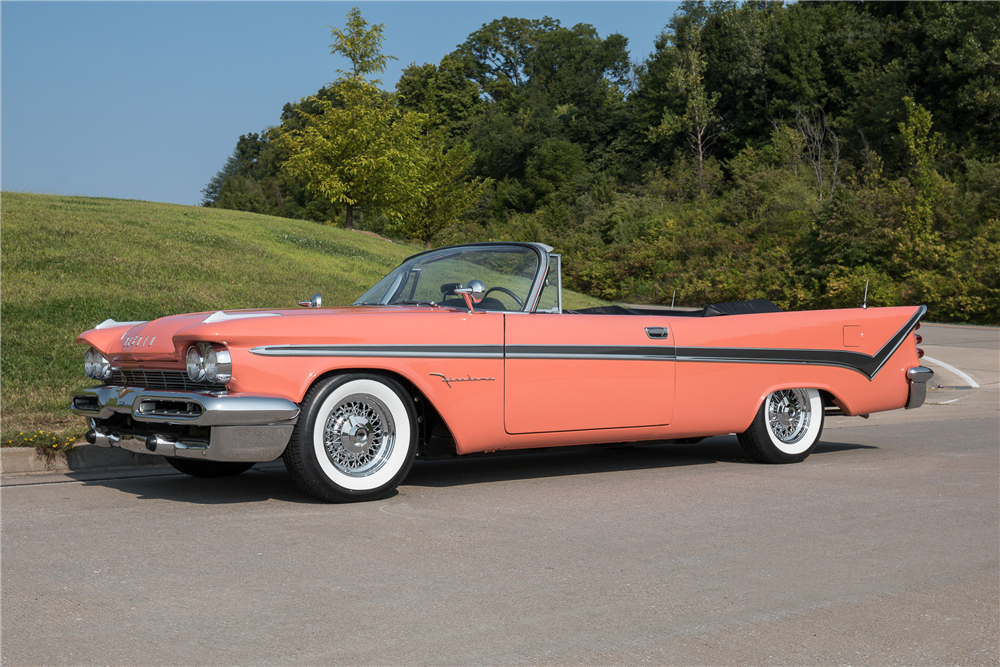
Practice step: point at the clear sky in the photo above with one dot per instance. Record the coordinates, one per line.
(145, 100)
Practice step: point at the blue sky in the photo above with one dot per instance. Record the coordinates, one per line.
(145, 100)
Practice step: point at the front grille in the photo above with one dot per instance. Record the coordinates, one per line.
(165, 380)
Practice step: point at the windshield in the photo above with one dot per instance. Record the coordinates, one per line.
(507, 271)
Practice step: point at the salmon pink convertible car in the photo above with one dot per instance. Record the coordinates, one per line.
(470, 349)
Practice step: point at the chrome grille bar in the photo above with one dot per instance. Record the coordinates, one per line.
(151, 379)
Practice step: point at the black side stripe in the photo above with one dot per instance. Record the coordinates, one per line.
(867, 365)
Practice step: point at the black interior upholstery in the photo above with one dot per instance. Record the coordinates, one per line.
(711, 310)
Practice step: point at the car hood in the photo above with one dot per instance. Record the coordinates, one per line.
(167, 337)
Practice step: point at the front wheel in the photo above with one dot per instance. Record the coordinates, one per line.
(355, 438)
(787, 427)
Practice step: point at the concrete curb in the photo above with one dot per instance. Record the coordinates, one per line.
(20, 460)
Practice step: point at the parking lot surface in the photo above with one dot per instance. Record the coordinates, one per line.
(882, 548)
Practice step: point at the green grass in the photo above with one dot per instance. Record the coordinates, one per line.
(68, 263)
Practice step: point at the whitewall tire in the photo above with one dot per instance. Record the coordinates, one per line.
(355, 438)
(787, 427)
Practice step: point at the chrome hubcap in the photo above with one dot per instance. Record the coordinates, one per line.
(789, 414)
(359, 435)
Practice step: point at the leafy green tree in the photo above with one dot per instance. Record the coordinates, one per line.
(699, 123)
(497, 54)
(440, 194)
(362, 45)
(359, 148)
(363, 153)
(443, 92)
(553, 166)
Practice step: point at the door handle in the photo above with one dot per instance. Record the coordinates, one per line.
(657, 332)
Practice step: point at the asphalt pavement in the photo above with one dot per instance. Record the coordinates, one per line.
(882, 548)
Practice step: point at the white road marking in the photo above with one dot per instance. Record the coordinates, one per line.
(947, 402)
(954, 370)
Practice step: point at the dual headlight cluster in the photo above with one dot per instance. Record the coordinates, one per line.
(206, 363)
(96, 366)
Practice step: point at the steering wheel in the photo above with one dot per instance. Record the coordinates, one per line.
(507, 292)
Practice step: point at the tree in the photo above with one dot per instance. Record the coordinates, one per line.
(444, 92)
(699, 123)
(362, 46)
(498, 52)
(440, 193)
(249, 181)
(814, 125)
(356, 146)
(359, 148)
(361, 154)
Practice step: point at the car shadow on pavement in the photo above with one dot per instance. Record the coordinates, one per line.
(560, 462)
(263, 482)
(270, 481)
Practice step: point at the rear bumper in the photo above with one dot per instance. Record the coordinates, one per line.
(918, 378)
(187, 424)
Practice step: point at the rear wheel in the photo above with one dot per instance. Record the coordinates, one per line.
(787, 427)
(197, 468)
(355, 438)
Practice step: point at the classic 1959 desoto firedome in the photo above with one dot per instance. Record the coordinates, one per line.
(470, 349)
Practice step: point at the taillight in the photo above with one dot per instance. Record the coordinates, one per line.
(920, 353)
(916, 327)
(920, 339)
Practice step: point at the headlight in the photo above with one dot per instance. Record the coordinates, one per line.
(95, 365)
(205, 363)
(195, 364)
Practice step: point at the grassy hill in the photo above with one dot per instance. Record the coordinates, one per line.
(68, 263)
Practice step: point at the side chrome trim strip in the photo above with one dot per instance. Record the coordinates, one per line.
(414, 351)
(600, 352)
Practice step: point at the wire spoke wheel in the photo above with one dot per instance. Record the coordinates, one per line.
(787, 427)
(359, 435)
(355, 438)
(789, 414)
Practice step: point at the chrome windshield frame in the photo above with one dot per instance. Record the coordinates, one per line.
(531, 303)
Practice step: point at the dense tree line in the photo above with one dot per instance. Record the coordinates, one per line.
(791, 152)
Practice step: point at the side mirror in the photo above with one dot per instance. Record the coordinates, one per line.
(315, 301)
(472, 293)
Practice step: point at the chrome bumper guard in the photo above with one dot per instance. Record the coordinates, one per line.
(918, 378)
(242, 428)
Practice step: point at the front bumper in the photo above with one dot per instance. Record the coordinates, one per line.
(918, 378)
(187, 424)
